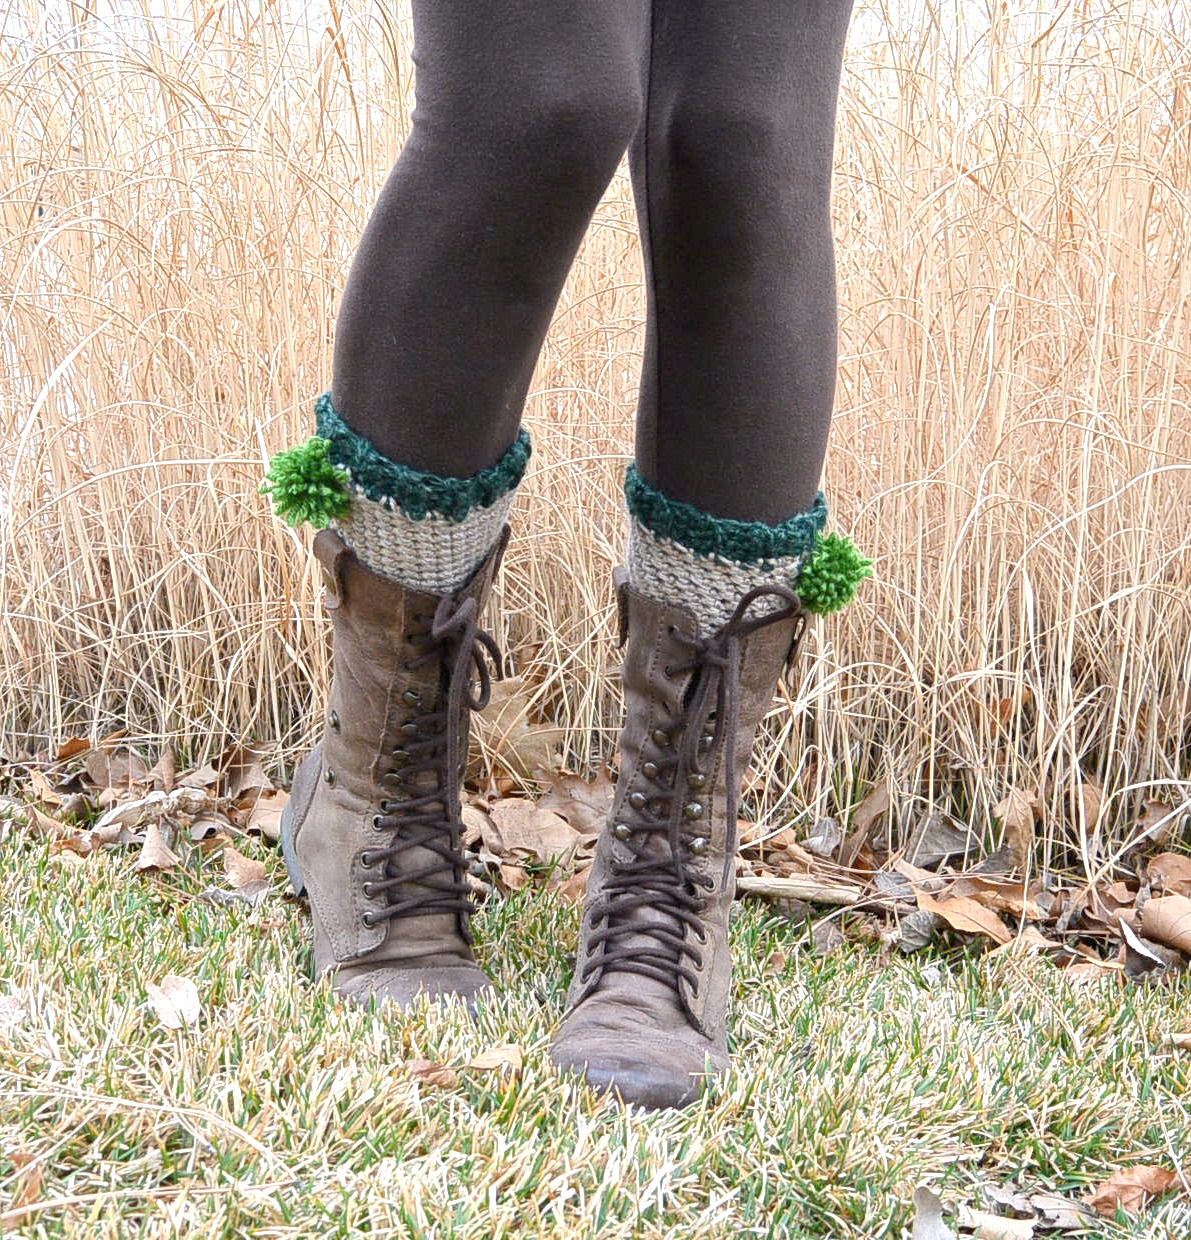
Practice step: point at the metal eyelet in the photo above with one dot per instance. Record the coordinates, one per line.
(650, 770)
(411, 697)
(668, 672)
(409, 729)
(622, 831)
(329, 777)
(696, 779)
(333, 721)
(368, 890)
(368, 920)
(699, 846)
(366, 859)
(377, 823)
(701, 937)
(693, 810)
(638, 800)
(661, 737)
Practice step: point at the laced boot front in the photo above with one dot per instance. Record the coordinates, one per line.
(372, 832)
(648, 1005)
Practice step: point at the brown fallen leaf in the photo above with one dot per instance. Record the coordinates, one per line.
(776, 962)
(1170, 872)
(243, 873)
(1167, 919)
(164, 771)
(30, 1180)
(513, 878)
(175, 1000)
(1009, 896)
(864, 817)
(264, 814)
(1017, 810)
(984, 1226)
(936, 838)
(241, 770)
(1182, 1041)
(527, 830)
(71, 748)
(155, 853)
(574, 890)
(523, 748)
(115, 768)
(431, 1073)
(508, 1055)
(1131, 1189)
(964, 914)
(584, 803)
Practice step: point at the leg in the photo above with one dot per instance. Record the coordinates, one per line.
(523, 113)
(731, 171)
(732, 174)
(524, 110)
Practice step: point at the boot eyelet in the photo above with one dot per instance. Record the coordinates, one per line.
(368, 920)
(699, 846)
(693, 810)
(368, 891)
(701, 937)
(409, 729)
(377, 823)
(668, 672)
(366, 859)
(672, 630)
(333, 721)
(411, 697)
(622, 831)
(661, 738)
(329, 776)
(650, 770)
(696, 779)
(638, 800)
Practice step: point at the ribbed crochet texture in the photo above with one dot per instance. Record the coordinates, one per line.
(683, 556)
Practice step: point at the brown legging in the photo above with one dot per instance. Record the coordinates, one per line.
(523, 111)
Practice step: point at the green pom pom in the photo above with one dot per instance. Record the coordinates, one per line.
(305, 484)
(828, 580)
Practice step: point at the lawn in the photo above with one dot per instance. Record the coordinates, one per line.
(861, 1075)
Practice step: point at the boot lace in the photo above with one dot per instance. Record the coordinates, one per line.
(661, 879)
(426, 813)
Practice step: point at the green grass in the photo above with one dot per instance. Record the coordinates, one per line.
(285, 1115)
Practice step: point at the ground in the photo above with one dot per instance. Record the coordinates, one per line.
(860, 1076)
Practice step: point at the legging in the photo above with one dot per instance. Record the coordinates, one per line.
(524, 109)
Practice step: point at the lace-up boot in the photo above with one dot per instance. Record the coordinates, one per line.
(372, 829)
(648, 1004)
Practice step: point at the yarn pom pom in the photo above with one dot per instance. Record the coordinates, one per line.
(829, 578)
(305, 484)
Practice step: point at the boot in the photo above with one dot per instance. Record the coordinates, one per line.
(648, 1004)
(372, 830)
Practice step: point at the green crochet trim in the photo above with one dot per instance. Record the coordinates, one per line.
(304, 485)
(829, 579)
(416, 493)
(746, 542)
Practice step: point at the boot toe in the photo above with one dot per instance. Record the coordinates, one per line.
(405, 987)
(646, 1077)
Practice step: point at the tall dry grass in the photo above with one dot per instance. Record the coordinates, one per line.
(179, 200)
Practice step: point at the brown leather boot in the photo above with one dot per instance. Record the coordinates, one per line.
(648, 1004)
(372, 829)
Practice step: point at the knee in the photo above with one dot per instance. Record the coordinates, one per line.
(742, 150)
(549, 133)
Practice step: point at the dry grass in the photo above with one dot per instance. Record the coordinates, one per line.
(178, 208)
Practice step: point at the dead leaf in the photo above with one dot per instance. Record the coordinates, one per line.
(1010, 896)
(776, 962)
(574, 890)
(966, 915)
(527, 830)
(431, 1073)
(916, 930)
(241, 770)
(993, 1227)
(1060, 1213)
(264, 815)
(132, 814)
(936, 839)
(864, 816)
(825, 840)
(1131, 1189)
(1180, 1040)
(1170, 872)
(504, 729)
(155, 853)
(201, 777)
(1167, 919)
(1017, 812)
(29, 1182)
(585, 804)
(928, 1218)
(1146, 960)
(826, 937)
(111, 768)
(508, 1055)
(243, 873)
(71, 748)
(164, 771)
(1090, 804)
(477, 826)
(175, 1000)
(513, 878)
